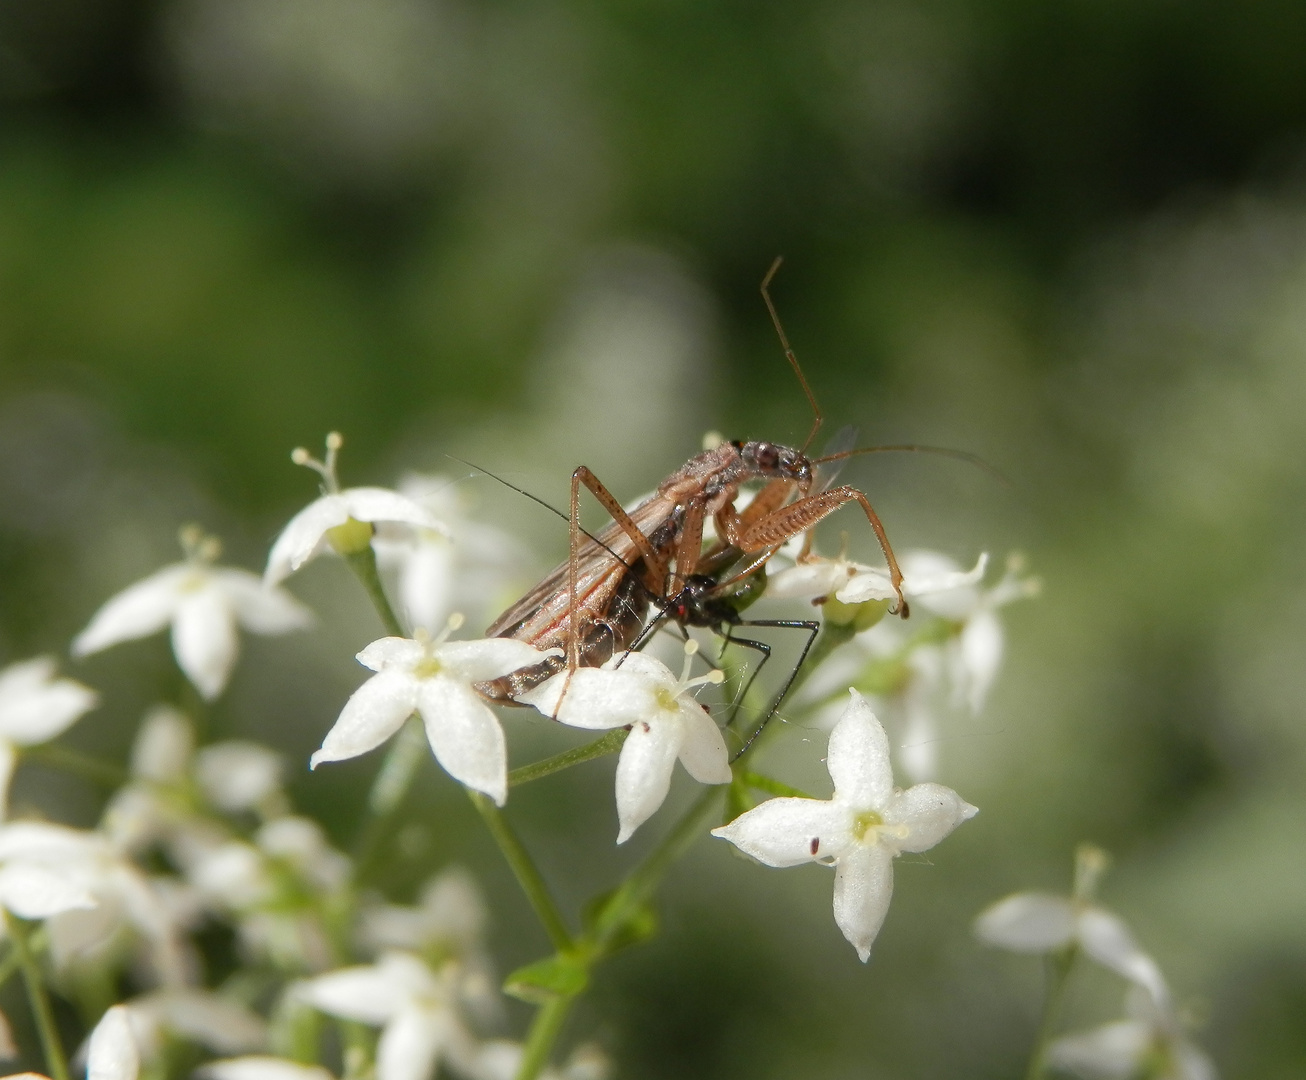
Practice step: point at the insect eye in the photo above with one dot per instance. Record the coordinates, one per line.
(767, 456)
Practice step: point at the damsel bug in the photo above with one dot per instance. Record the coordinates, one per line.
(595, 604)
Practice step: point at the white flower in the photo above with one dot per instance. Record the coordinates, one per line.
(450, 916)
(34, 708)
(114, 893)
(413, 1005)
(859, 830)
(1150, 1043)
(309, 533)
(1040, 923)
(433, 678)
(205, 604)
(666, 722)
(464, 568)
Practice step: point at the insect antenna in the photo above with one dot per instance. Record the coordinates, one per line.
(547, 506)
(817, 417)
(917, 448)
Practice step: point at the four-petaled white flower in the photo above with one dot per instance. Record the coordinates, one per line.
(433, 678)
(1042, 923)
(205, 604)
(859, 830)
(666, 722)
(339, 520)
(1152, 1043)
(34, 708)
(469, 567)
(414, 1006)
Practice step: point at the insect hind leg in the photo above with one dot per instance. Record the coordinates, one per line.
(813, 628)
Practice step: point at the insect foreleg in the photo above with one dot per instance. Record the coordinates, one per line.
(777, 527)
(812, 628)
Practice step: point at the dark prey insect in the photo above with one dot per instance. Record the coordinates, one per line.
(595, 604)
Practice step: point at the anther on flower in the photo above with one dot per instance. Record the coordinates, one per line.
(859, 831)
(665, 719)
(204, 604)
(434, 678)
(341, 520)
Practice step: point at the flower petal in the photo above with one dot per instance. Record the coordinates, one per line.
(381, 504)
(858, 757)
(261, 1068)
(1028, 922)
(237, 775)
(981, 656)
(703, 750)
(644, 771)
(787, 832)
(204, 640)
(302, 538)
(1107, 939)
(811, 579)
(113, 1053)
(221, 1024)
(35, 706)
(465, 736)
(488, 658)
(138, 611)
(367, 993)
(163, 746)
(928, 812)
(260, 609)
(863, 886)
(596, 698)
(1107, 1052)
(376, 711)
(411, 1044)
(398, 653)
(34, 892)
(869, 584)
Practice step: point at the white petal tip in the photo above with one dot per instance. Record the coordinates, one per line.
(968, 811)
(317, 759)
(864, 955)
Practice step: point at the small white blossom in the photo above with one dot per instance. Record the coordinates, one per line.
(433, 678)
(466, 567)
(859, 831)
(666, 722)
(204, 604)
(310, 532)
(1041, 923)
(1150, 1043)
(120, 895)
(35, 706)
(413, 1005)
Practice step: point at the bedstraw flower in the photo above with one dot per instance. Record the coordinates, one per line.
(204, 604)
(34, 708)
(433, 678)
(859, 830)
(666, 722)
(340, 520)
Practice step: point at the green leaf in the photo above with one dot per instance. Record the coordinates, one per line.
(547, 980)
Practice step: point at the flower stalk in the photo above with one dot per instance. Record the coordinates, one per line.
(42, 1012)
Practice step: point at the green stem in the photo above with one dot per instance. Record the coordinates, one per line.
(61, 757)
(544, 1032)
(528, 876)
(772, 787)
(55, 1059)
(1059, 965)
(606, 744)
(363, 564)
(637, 888)
(389, 790)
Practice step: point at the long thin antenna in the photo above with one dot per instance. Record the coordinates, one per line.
(818, 418)
(916, 448)
(536, 499)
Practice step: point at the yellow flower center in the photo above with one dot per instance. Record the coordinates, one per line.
(351, 537)
(866, 822)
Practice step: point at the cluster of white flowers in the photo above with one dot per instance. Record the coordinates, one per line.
(205, 835)
(1152, 1042)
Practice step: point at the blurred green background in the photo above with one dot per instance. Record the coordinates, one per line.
(1070, 238)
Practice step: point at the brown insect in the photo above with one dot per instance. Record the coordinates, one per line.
(595, 604)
